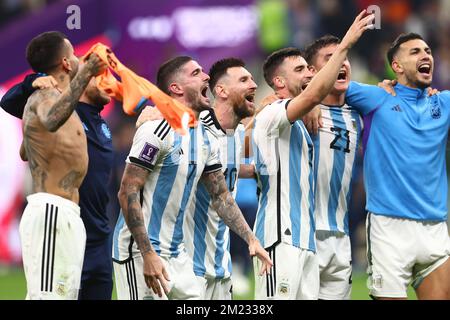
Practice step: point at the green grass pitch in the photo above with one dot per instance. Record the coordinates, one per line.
(13, 286)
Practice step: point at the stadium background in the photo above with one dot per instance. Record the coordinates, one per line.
(145, 33)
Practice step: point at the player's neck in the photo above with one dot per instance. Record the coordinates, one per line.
(63, 80)
(188, 104)
(334, 99)
(228, 120)
(283, 93)
(401, 79)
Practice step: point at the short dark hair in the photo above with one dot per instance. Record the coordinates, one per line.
(168, 69)
(220, 68)
(404, 37)
(275, 59)
(312, 49)
(44, 51)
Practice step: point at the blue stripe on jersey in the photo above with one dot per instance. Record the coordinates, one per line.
(264, 181)
(338, 168)
(231, 180)
(117, 229)
(200, 225)
(295, 191)
(311, 196)
(356, 117)
(163, 188)
(316, 142)
(177, 236)
(231, 154)
(220, 272)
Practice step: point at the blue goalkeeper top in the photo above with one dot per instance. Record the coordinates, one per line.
(405, 139)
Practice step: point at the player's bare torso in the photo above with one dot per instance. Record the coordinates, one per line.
(58, 160)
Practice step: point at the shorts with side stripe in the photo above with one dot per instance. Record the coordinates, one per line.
(294, 275)
(183, 284)
(53, 240)
(403, 252)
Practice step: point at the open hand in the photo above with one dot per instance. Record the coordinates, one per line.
(255, 249)
(45, 83)
(359, 26)
(155, 274)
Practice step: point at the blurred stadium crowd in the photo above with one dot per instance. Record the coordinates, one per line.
(296, 23)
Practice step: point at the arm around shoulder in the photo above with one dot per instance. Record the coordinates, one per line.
(363, 97)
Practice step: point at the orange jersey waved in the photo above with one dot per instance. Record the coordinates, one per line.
(134, 91)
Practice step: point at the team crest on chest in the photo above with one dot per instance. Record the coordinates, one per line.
(106, 131)
(435, 110)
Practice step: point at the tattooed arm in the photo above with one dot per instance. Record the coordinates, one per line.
(133, 181)
(227, 209)
(53, 108)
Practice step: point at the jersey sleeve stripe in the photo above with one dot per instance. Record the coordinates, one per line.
(159, 126)
(213, 168)
(141, 163)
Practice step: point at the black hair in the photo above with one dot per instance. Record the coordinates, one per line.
(312, 49)
(44, 51)
(220, 68)
(167, 71)
(404, 37)
(275, 59)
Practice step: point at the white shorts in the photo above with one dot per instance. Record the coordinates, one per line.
(215, 289)
(335, 265)
(294, 275)
(402, 252)
(53, 241)
(183, 284)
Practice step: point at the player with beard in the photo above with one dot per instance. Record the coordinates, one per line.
(234, 90)
(405, 177)
(96, 276)
(161, 175)
(284, 165)
(52, 234)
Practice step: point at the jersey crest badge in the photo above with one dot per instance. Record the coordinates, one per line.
(435, 111)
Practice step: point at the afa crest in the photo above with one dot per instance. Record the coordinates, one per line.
(435, 111)
(106, 131)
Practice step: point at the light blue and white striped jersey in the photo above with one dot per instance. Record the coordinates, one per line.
(176, 163)
(209, 236)
(335, 149)
(284, 165)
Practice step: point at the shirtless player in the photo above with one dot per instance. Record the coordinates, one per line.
(52, 234)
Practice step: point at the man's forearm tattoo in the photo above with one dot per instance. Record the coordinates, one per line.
(226, 207)
(136, 223)
(66, 103)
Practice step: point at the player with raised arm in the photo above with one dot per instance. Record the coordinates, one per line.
(405, 177)
(52, 233)
(284, 165)
(162, 172)
(96, 276)
(335, 147)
